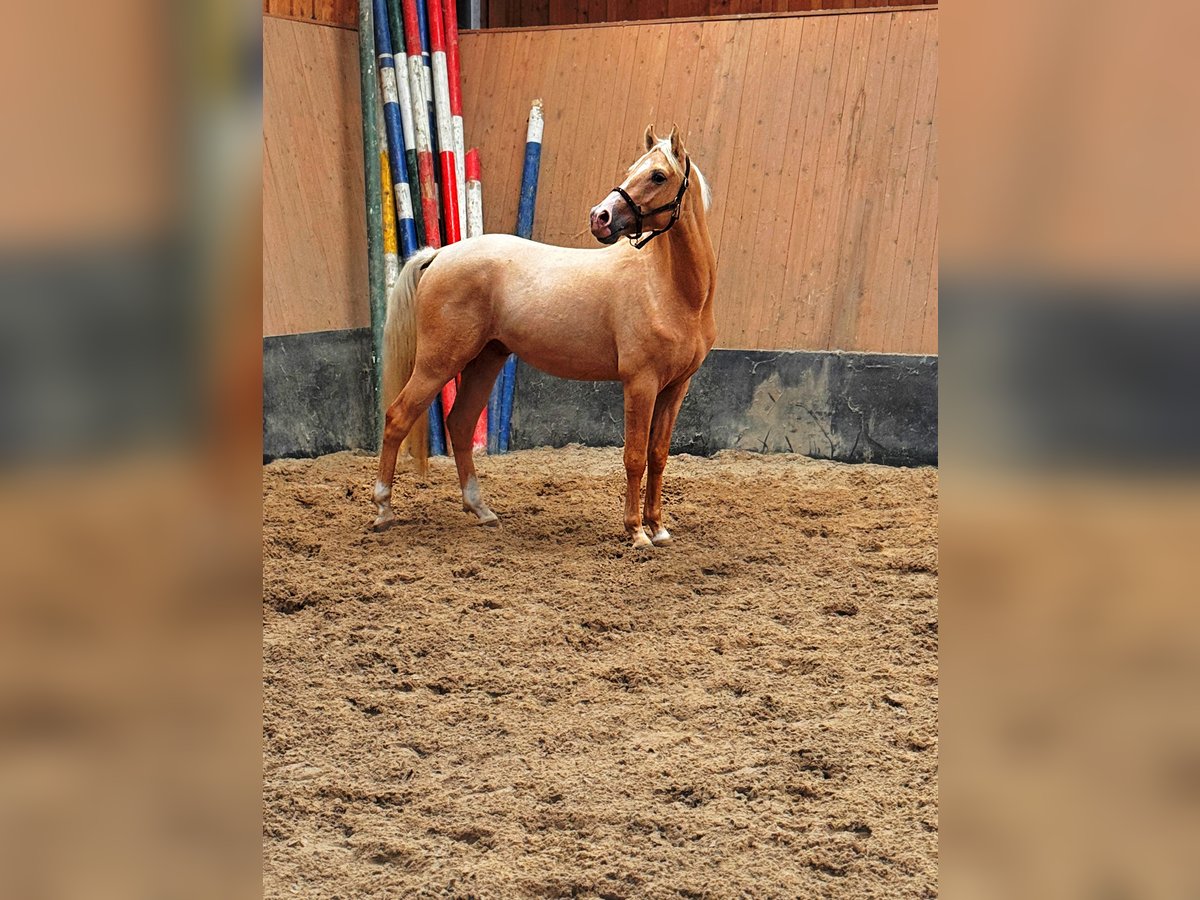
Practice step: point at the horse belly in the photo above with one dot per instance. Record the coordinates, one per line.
(564, 340)
(575, 357)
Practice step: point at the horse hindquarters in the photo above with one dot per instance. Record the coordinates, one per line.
(404, 415)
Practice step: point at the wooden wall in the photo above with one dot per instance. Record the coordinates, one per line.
(525, 13)
(314, 229)
(325, 12)
(816, 132)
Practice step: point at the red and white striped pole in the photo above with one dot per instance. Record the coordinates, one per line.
(474, 194)
(454, 73)
(420, 116)
(445, 125)
(474, 220)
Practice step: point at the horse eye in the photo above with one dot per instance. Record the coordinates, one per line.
(658, 177)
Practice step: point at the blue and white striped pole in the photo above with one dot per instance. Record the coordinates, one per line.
(406, 227)
(525, 208)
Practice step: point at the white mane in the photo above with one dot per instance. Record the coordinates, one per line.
(705, 194)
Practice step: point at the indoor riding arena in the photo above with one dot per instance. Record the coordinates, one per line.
(537, 707)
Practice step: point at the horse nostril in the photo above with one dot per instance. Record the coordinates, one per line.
(602, 217)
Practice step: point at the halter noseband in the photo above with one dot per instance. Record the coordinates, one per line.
(639, 214)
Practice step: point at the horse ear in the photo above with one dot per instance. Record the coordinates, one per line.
(651, 137)
(676, 143)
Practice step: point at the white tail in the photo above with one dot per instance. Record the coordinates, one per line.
(400, 350)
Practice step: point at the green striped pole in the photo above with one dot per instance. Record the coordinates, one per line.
(374, 194)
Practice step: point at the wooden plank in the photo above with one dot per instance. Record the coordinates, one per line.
(864, 272)
(824, 274)
(561, 105)
(314, 232)
(525, 84)
(816, 10)
(741, 202)
(679, 76)
(835, 67)
(929, 324)
(641, 108)
(814, 68)
(789, 218)
(619, 144)
(770, 236)
(912, 274)
(846, 260)
(601, 144)
(874, 315)
(716, 132)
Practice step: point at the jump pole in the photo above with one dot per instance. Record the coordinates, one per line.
(454, 73)
(526, 205)
(473, 194)
(451, 220)
(427, 81)
(475, 227)
(420, 116)
(391, 249)
(444, 122)
(372, 183)
(405, 226)
(418, 84)
(404, 90)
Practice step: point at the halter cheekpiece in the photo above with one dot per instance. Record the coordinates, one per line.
(639, 214)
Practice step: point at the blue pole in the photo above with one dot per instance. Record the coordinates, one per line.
(525, 207)
(406, 226)
(437, 437)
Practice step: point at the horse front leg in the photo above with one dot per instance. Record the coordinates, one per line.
(639, 412)
(666, 411)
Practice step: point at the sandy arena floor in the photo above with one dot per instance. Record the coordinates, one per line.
(537, 710)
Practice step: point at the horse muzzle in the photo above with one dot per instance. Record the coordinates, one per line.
(607, 223)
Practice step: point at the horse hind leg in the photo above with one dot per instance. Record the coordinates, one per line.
(401, 415)
(477, 380)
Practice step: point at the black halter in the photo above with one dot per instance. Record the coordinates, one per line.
(639, 214)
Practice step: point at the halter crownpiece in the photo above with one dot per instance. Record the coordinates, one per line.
(639, 214)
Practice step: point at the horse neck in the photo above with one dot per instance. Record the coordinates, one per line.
(688, 252)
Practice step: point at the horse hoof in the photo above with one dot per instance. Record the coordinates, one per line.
(490, 519)
(662, 538)
(641, 542)
(384, 522)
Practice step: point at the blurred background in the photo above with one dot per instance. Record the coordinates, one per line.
(130, 417)
(1070, 436)
(130, 442)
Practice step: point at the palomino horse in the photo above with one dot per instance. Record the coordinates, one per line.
(639, 312)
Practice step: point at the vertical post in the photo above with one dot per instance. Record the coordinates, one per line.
(454, 74)
(525, 209)
(420, 115)
(418, 82)
(474, 194)
(404, 87)
(391, 249)
(394, 130)
(374, 195)
(427, 88)
(443, 120)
